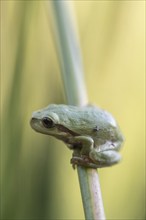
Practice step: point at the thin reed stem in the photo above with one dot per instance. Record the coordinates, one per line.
(72, 75)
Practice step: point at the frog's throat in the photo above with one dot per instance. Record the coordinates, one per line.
(66, 130)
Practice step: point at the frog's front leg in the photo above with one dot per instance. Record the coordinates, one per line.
(82, 146)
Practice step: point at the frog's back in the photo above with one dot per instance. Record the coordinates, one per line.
(106, 126)
(98, 116)
(86, 118)
(91, 115)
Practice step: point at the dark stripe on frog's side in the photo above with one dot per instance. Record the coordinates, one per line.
(64, 129)
(66, 140)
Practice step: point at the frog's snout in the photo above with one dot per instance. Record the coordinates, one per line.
(33, 121)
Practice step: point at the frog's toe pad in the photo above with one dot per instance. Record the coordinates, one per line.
(83, 161)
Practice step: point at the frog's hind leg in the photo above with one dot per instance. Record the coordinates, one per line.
(105, 158)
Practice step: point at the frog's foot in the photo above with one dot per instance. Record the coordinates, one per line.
(83, 161)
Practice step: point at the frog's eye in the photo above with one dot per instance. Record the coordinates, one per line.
(47, 122)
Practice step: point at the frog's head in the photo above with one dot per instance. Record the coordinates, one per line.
(49, 121)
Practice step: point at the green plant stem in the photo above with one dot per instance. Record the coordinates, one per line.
(69, 54)
(91, 193)
(72, 74)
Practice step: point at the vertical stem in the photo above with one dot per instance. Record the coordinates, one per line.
(72, 74)
(69, 54)
(91, 193)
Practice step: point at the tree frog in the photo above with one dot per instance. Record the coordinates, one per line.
(91, 132)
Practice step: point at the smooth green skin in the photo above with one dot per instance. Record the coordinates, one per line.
(89, 131)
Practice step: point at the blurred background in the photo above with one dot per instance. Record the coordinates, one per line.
(37, 180)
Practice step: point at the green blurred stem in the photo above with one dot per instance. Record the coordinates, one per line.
(72, 74)
(69, 54)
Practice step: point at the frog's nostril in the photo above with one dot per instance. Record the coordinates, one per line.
(32, 121)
